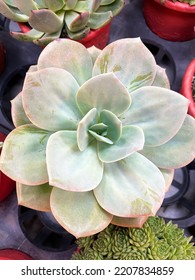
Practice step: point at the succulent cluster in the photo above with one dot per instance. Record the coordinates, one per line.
(190, 2)
(156, 240)
(97, 135)
(51, 19)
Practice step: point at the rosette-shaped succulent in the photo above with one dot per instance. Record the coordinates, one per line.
(160, 246)
(51, 19)
(97, 138)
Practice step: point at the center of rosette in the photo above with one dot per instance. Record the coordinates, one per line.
(104, 127)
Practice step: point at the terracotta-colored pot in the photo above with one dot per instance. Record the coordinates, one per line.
(174, 21)
(98, 38)
(13, 254)
(2, 58)
(6, 184)
(186, 87)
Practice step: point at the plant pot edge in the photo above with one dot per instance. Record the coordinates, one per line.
(186, 89)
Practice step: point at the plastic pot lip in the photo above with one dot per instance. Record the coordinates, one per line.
(186, 89)
(2, 137)
(13, 254)
(177, 6)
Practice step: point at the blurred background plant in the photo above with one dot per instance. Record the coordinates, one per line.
(51, 19)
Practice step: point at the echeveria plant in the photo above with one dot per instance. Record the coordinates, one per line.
(97, 136)
(156, 240)
(51, 19)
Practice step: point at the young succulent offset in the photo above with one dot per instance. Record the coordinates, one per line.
(156, 240)
(190, 2)
(51, 19)
(98, 135)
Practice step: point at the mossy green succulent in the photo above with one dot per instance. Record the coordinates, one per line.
(190, 2)
(147, 243)
(51, 19)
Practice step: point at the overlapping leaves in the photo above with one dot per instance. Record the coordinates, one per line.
(97, 137)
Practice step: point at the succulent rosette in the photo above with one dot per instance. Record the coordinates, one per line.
(98, 135)
(52, 19)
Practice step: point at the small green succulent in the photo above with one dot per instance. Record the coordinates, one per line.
(190, 2)
(166, 243)
(51, 19)
(98, 135)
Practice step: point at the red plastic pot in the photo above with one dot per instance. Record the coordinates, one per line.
(6, 184)
(98, 38)
(186, 87)
(174, 21)
(2, 58)
(12, 254)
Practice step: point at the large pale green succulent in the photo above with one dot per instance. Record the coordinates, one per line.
(51, 19)
(97, 136)
(156, 240)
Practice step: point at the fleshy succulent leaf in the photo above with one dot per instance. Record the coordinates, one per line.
(64, 157)
(76, 21)
(154, 117)
(129, 222)
(26, 6)
(72, 208)
(29, 36)
(45, 21)
(35, 197)
(46, 38)
(94, 52)
(131, 140)
(83, 136)
(19, 116)
(161, 79)
(61, 88)
(100, 138)
(121, 58)
(115, 7)
(23, 156)
(54, 5)
(76, 59)
(97, 20)
(168, 175)
(79, 34)
(70, 4)
(131, 187)
(102, 92)
(114, 125)
(177, 152)
(12, 13)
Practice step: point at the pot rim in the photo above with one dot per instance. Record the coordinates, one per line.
(186, 85)
(13, 254)
(177, 6)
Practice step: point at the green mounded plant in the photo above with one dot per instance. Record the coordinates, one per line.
(97, 138)
(156, 240)
(51, 19)
(190, 2)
